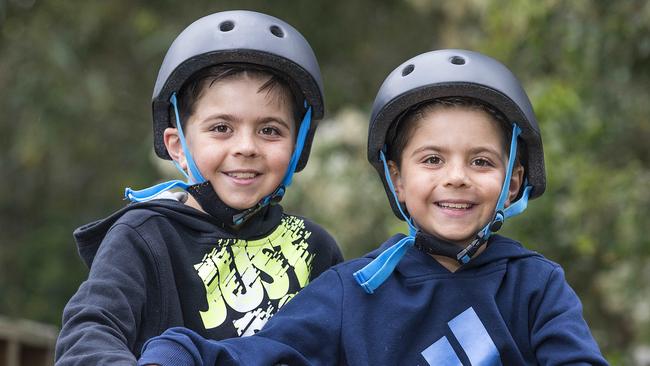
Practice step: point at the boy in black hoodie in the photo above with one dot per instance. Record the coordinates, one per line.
(454, 139)
(235, 106)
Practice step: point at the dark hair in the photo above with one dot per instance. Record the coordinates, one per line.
(193, 88)
(401, 131)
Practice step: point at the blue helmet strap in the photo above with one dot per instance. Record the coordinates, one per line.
(376, 272)
(193, 177)
(150, 193)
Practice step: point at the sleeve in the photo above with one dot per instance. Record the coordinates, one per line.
(305, 331)
(559, 333)
(101, 321)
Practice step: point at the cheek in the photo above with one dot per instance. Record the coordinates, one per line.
(196, 143)
(280, 154)
(206, 151)
(492, 186)
(419, 179)
(416, 186)
(207, 154)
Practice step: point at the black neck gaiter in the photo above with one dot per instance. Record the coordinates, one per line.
(258, 222)
(433, 245)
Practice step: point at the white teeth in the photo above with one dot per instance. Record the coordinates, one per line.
(242, 175)
(455, 205)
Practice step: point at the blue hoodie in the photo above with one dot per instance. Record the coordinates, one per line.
(508, 306)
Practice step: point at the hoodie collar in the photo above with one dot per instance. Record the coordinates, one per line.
(88, 237)
(417, 263)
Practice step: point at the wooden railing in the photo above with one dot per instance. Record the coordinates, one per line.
(26, 343)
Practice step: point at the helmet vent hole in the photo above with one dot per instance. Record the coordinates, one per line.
(226, 26)
(457, 60)
(277, 31)
(408, 69)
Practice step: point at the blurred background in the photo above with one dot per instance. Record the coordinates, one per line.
(76, 79)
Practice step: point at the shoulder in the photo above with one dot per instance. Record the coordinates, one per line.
(529, 268)
(536, 272)
(518, 255)
(535, 261)
(139, 216)
(163, 215)
(544, 264)
(145, 224)
(134, 226)
(348, 268)
(159, 210)
(130, 226)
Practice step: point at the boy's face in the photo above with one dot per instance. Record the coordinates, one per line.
(241, 139)
(452, 171)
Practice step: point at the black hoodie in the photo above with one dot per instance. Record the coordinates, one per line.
(160, 264)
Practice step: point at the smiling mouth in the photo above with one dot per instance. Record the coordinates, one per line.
(242, 175)
(455, 206)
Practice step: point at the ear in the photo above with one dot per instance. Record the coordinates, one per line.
(396, 178)
(516, 180)
(174, 146)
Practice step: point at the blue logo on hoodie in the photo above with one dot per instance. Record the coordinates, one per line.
(471, 334)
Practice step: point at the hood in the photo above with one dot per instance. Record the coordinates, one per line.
(498, 248)
(88, 237)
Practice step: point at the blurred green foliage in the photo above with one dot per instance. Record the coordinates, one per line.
(75, 85)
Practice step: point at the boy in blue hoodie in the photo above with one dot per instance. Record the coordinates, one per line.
(235, 106)
(454, 139)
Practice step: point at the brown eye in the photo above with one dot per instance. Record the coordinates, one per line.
(220, 128)
(270, 131)
(481, 162)
(433, 160)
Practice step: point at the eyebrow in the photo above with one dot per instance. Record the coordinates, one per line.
(488, 149)
(211, 117)
(427, 147)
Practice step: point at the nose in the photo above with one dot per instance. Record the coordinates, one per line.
(456, 175)
(246, 144)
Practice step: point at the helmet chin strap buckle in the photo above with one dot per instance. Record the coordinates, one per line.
(497, 221)
(239, 219)
(465, 255)
(273, 199)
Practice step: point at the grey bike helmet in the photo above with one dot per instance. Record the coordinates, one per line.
(238, 36)
(455, 73)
